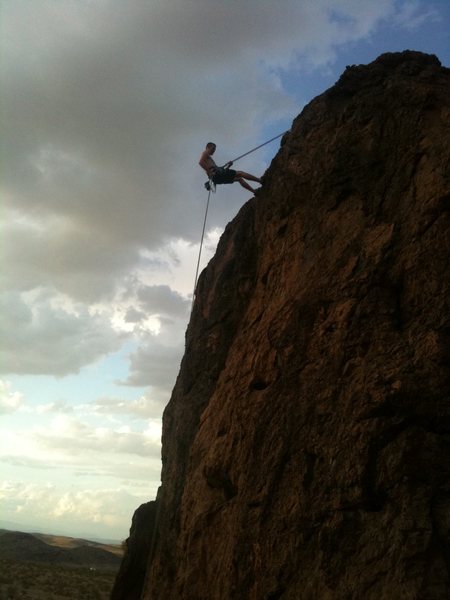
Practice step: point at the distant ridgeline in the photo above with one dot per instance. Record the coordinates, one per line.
(28, 547)
(306, 445)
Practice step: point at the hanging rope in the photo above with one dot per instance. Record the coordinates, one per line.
(201, 245)
(211, 188)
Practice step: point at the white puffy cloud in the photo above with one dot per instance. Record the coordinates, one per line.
(87, 446)
(54, 407)
(145, 407)
(131, 472)
(26, 461)
(154, 309)
(10, 400)
(70, 435)
(94, 513)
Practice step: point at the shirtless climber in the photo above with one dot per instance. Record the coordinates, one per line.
(220, 175)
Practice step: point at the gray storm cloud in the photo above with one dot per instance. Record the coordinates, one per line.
(46, 339)
(105, 108)
(160, 299)
(155, 364)
(107, 104)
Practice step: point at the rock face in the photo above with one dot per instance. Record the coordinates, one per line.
(306, 446)
(131, 575)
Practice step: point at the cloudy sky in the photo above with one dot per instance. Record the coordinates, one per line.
(105, 108)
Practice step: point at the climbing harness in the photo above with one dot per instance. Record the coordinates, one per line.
(211, 188)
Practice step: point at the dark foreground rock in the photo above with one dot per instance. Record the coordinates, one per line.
(131, 576)
(306, 447)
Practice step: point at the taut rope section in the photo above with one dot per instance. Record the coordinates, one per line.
(207, 206)
(258, 147)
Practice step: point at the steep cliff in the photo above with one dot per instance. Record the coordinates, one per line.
(306, 446)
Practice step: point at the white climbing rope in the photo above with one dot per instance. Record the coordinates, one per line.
(201, 244)
(258, 147)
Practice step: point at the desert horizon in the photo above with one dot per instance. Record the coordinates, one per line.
(38, 566)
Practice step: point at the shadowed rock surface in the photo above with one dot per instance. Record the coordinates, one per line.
(306, 446)
(131, 575)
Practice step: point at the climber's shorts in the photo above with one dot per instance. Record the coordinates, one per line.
(221, 175)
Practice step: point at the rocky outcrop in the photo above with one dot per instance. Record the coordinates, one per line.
(306, 446)
(131, 575)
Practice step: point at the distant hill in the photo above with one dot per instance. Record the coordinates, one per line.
(35, 530)
(69, 542)
(28, 547)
